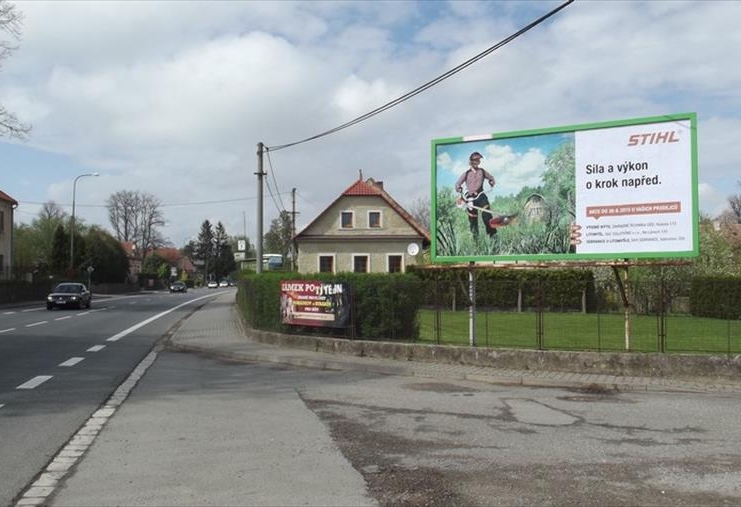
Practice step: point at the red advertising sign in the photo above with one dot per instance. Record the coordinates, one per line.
(315, 303)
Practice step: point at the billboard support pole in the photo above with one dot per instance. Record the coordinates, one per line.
(627, 313)
(472, 307)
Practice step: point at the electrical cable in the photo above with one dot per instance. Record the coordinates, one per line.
(426, 85)
(165, 205)
(275, 182)
(272, 196)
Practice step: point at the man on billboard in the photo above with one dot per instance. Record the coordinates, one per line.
(474, 198)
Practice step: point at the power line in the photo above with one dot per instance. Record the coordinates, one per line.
(165, 205)
(428, 84)
(275, 182)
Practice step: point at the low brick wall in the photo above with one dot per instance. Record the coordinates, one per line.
(606, 363)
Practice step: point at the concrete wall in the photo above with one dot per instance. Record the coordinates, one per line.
(623, 364)
(377, 250)
(326, 236)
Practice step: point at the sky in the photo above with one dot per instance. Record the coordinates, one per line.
(171, 98)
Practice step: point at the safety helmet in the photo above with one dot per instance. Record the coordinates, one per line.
(475, 154)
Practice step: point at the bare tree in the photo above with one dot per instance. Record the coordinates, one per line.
(122, 209)
(420, 211)
(734, 202)
(10, 23)
(137, 217)
(51, 211)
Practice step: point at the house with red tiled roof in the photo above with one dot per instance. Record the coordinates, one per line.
(7, 207)
(171, 255)
(363, 230)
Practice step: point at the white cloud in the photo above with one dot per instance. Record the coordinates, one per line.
(172, 97)
(514, 170)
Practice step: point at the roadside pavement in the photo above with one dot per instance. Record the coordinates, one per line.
(218, 333)
(153, 432)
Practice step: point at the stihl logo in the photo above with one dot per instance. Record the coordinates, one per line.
(670, 136)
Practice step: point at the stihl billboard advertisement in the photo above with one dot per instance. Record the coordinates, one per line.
(612, 190)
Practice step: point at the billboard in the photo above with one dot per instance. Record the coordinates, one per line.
(315, 303)
(611, 190)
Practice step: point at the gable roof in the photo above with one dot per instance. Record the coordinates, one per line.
(5, 197)
(370, 187)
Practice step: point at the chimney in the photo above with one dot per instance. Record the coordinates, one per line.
(360, 174)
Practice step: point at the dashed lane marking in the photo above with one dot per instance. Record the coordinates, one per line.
(64, 318)
(7, 330)
(95, 348)
(72, 361)
(8, 313)
(34, 382)
(37, 323)
(133, 328)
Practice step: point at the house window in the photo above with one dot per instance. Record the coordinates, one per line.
(2, 222)
(394, 263)
(374, 219)
(326, 263)
(346, 220)
(360, 263)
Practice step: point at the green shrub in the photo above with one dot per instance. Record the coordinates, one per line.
(383, 305)
(716, 296)
(507, 289)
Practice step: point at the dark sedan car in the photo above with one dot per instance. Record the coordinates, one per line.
(69, 295)
(178, 287)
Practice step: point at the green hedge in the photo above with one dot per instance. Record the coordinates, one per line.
(548, 289)
(384, 306)
(717, 297)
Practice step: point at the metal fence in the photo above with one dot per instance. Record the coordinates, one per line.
(549, 315)
(543, 315)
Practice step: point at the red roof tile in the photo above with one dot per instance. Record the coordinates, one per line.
(361, 187)
(375, 188)
(5, 197)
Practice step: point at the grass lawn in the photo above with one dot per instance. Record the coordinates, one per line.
(577, 331)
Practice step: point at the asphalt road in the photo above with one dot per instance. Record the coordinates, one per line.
(57, 367)
(196, 431)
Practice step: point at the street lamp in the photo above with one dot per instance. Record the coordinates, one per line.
(72, 222)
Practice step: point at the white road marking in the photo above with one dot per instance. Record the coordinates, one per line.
(32, 310)
(37, 323)
(2, 405)
(133, 302)
(83, 313)
(7, 330)
(72, 361)
(133, 328)
(8, 313)
(34, 382)
(64, 318)
(95, 348)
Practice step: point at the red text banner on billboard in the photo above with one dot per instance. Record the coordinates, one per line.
(611, 190)
(315, 303)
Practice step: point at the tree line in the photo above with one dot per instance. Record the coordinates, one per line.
(42, 247)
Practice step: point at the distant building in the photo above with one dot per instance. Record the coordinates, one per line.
(171, 255)
(363, 230)
(7, 207)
